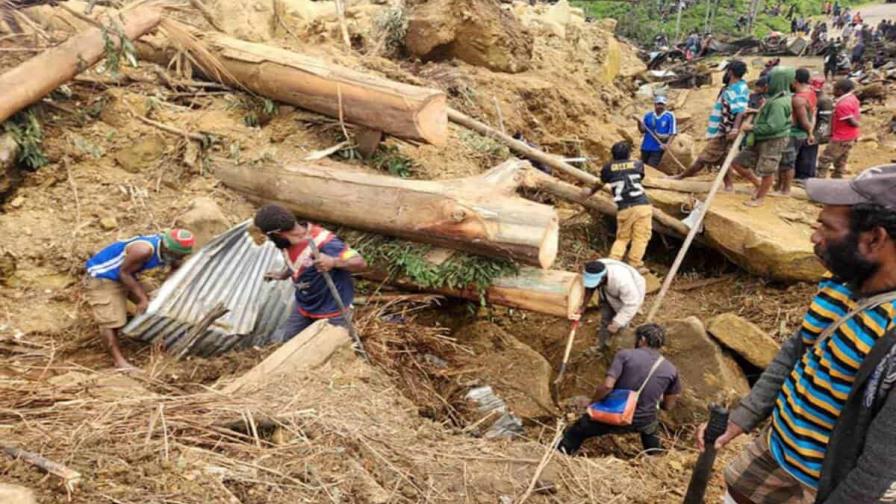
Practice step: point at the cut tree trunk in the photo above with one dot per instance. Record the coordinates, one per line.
(305, 351)
(32, 80)
(551, 292)
(480, 214)
(396, 108)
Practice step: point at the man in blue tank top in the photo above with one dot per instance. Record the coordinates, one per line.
(112, 279)
(313, 299)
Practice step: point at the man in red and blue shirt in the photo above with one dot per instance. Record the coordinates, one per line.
(313, 299)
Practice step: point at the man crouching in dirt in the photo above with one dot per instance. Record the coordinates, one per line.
(313, 298)
(829, 390)
(621, 289)
(641, 369)
(112, 280)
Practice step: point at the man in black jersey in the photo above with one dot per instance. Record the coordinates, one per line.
(634, 218)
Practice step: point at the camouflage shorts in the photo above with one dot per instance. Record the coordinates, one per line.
(756, 475)
(763, 157)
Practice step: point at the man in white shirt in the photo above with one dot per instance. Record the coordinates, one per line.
(621, 289)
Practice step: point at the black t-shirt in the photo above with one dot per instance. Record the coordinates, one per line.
(625, 179)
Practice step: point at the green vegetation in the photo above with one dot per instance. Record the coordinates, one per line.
(26, 131)
(406, 259)
(389, 158)
(118, 48)
(641, 21)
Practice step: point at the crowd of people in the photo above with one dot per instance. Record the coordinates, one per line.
(792, 113)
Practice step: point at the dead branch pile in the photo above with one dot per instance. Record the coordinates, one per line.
(341, 434)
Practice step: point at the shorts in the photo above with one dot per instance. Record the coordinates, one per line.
(756, 475)
(109, 301)
(764, 156)
(715, 151)
(652, 158)
(788, 155)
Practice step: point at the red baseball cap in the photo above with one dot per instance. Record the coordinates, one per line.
(875, 185)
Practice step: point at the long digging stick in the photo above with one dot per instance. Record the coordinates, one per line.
(346, 312)
(569, 342)
(716, 184)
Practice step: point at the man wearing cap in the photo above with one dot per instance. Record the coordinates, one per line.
(313, 299)
(112, 280)
(621, 291)
(659, 128)
(724, 121)
(828, 391)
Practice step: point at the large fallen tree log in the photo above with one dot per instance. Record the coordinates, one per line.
(32, 80)
(552, 292)
(480, 214)
(396, 108)
(655, 180)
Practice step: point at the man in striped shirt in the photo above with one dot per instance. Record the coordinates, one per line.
(724, 121)
(833, 420)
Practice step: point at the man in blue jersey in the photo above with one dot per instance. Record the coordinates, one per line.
(659, 128)
(313, 300)
(112, 280)
(829, 390)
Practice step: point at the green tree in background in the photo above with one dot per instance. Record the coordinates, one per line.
(642, 20)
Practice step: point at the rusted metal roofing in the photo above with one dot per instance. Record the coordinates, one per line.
(229, 270)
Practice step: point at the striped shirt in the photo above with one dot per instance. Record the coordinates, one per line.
(812, 397)
(731, 101)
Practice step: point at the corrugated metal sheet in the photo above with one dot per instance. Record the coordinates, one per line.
(228, 270)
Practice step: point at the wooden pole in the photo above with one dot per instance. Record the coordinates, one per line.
(30, 81)
(701, 213)
(521, 148)
(69, 476)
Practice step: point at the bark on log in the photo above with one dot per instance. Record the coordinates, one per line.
(534, 179)
(552, 292)
(396, 108)
(32, 80)
(480, 214)
(305, 351)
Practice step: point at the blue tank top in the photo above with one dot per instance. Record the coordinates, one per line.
(107, 262)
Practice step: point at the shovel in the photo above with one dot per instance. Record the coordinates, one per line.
(569, 341)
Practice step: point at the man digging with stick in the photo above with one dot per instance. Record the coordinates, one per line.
(829, 390)
(314, 300)
(659, 128)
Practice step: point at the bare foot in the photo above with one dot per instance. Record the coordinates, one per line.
(728, 188)
(754, 202)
